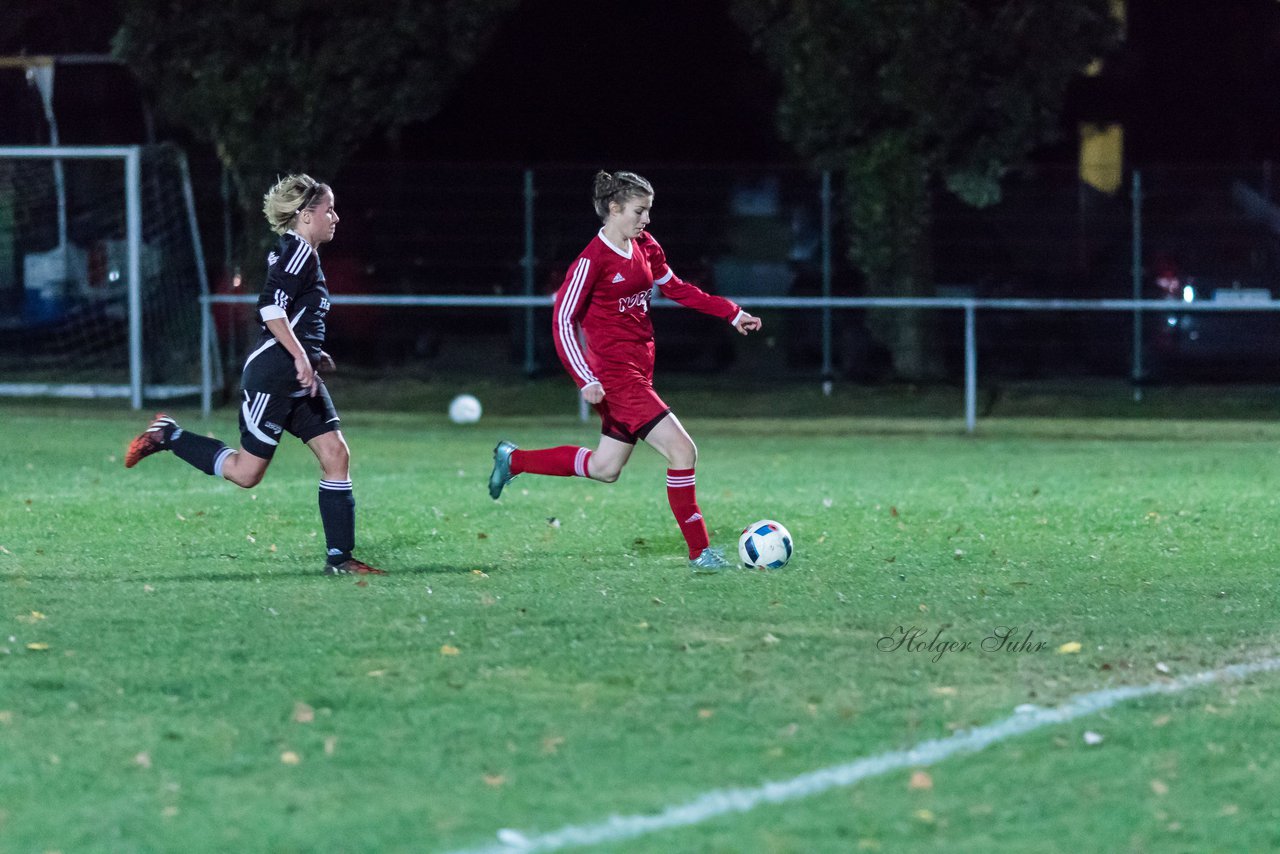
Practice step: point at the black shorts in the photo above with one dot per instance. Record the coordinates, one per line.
(265, 417)
(615, 429)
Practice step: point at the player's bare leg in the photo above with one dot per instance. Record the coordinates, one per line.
(607, 460)
(244, 469)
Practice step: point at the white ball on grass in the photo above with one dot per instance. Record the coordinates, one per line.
(465, 409)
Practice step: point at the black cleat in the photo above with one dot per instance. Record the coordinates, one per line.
(154, 438)
(351, 566)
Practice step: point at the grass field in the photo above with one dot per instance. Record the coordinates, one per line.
(175, 674)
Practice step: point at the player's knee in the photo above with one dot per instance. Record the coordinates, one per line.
(245, 480)
(605, 473)
(684, 457)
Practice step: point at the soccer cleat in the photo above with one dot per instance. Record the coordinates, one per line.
(351, 566)
(501, 474)
(154, 438)
(709, 560)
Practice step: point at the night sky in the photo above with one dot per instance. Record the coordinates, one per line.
(582, 80)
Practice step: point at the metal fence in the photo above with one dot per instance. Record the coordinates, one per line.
(1067, 279)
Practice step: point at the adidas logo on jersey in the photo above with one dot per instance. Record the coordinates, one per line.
(272, 259)
(617, 277)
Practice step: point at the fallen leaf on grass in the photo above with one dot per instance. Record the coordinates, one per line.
(925, 815)
(330, 745)
(1162, 720)
(770, 639)
(551, 744)
(303, 714)
(449, 650)
(1159, 787)
(495, 780)
(920, 781)
(290, 758)
(33, 617)
(37, 647)
(1069, 648)
(705, 713)
(142, 760)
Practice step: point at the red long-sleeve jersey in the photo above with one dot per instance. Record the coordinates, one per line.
(606, 292)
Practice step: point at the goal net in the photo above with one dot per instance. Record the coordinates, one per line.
(101, 273)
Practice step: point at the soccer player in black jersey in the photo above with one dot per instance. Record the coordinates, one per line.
(281, 383)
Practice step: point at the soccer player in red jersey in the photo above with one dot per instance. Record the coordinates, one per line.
(606, 294)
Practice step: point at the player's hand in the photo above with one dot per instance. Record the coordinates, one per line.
(593, 393)
(306, 375)
(748, 323)
(327, 363)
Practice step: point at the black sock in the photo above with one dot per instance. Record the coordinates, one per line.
(200, 451)
(338, 514)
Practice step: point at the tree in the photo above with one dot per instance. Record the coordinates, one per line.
(285, 85)
(901, 96)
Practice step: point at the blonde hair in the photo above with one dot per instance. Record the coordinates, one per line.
(619, 187)
(290, 196)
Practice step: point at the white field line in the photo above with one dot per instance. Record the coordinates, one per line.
(721, 802)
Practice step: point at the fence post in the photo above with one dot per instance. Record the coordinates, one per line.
(827, 373)
(1137, 284)
(970, 369)
(133, 233)
(530, 363)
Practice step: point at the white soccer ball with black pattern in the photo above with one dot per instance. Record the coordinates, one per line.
(765, 545)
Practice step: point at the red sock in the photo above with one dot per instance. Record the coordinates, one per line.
(564, 461)
(684, 506)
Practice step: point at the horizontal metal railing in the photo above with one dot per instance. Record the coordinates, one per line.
(970, 307)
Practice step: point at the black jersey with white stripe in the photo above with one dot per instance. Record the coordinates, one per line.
(295, 283)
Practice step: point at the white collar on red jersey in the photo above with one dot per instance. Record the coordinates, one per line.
(630, 246)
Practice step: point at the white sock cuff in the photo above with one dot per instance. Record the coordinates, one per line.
(219, 460)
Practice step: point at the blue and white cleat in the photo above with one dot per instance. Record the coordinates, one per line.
(501, 474)
(709, 561)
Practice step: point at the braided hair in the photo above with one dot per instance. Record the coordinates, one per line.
(619, 187)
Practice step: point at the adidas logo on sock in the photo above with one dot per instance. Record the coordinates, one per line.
(695, 517)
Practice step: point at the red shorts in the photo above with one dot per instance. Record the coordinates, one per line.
(629, 411)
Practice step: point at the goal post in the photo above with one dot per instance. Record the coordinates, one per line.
(101, 273)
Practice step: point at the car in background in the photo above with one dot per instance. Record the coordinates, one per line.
(1213, 344)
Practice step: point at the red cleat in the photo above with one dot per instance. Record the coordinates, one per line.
(351, 566)
(154, 438)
